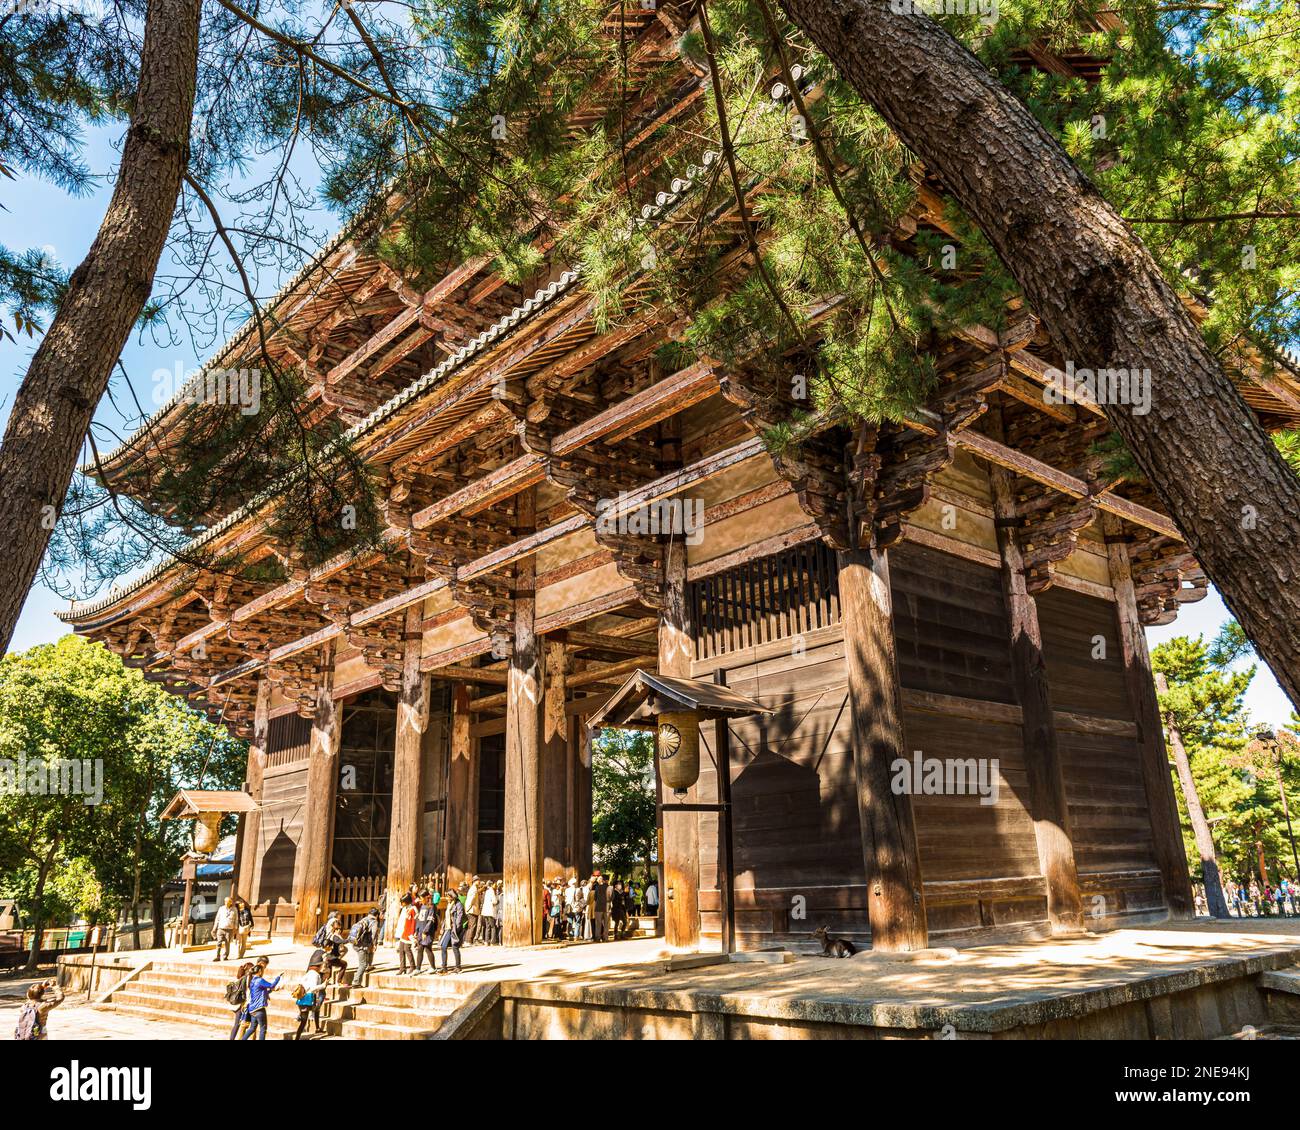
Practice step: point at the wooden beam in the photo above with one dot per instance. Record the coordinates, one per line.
(1047, 804)
(998, 453)
(248, 846)
(599, 641)
(663, 399)
(472, 674)
(556, 807)
(406, 812)
(1162, 806)
(523, 856)
(611, 671)
(461, 828)
(681, 830)
(312, 877)
(895, 895)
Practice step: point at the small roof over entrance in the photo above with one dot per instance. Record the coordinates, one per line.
(636, 703)
(189, 803)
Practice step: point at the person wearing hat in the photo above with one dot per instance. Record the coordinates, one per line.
(310, 995)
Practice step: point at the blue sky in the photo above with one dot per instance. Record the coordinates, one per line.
(38, 215)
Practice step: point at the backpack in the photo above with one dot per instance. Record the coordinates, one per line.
(236, 992)
(29, 1024)
(319, 938)
(360, 933)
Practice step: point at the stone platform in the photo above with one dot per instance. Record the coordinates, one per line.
(1199, 979)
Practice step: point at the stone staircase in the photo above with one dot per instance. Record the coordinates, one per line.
(389, 1008)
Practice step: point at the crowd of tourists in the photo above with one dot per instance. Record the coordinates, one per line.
(1251, 900)
(433, 918)
(595, 909)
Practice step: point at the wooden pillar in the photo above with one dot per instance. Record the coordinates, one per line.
(559, 815)
(523, 854)
(680, 895)
(1048, 807)
(895, 899)
(406, 813)
(248, 843)
(462, 793)
(312, 876)
(1162, 806)
(580, 766)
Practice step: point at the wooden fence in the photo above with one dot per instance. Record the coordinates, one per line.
(352, 896)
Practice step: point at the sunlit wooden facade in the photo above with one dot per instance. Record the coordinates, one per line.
(961, 584)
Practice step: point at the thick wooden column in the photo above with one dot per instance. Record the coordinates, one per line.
(248, 842)
(407, 806)
(895, 899)
(1161, 803)
(461, 825)
(558, 811)
(580, 817)
(523, 854)
(1048, 807)
(312, 876)
(680, 894)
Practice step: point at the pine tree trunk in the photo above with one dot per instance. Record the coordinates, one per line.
(1101, 296)
(71, 367)
(1201, 833)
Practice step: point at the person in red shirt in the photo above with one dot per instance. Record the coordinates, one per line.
(404, 932)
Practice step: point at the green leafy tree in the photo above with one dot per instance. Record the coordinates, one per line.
(135, 744)
(623, 799)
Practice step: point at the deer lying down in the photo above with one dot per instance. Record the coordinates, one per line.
(834, 947)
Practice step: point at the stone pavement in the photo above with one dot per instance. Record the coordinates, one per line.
(75, 1020)
(987, 981)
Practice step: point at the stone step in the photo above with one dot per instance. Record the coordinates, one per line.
(165, 1003)
(411, 1011)
(1281, 981)
(416, 996)
(423, 993)
(395, 1015)
(275, 1031)
(364, 1030)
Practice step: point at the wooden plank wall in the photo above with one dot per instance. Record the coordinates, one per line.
(1103, 779)
(979, 862)
(284, 794)
(797, 840)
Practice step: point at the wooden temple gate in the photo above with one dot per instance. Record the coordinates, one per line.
(963, 582)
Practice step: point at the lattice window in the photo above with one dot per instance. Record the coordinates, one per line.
(288, 739)
(787, 594)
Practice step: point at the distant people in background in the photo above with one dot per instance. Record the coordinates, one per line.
(453, 928)
(244, 929)
(589, 912)
(652, 899)
(34, 1015)
(633, 898)
(309, 995)
(224, 927)
(1253, 896)
(572, 908)
(363, 938)
(237, 996)
(259, 995)
(491, 909)
(473, 908)
(546, 911)
(602, 908)
(618, 909)
(557, 911)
